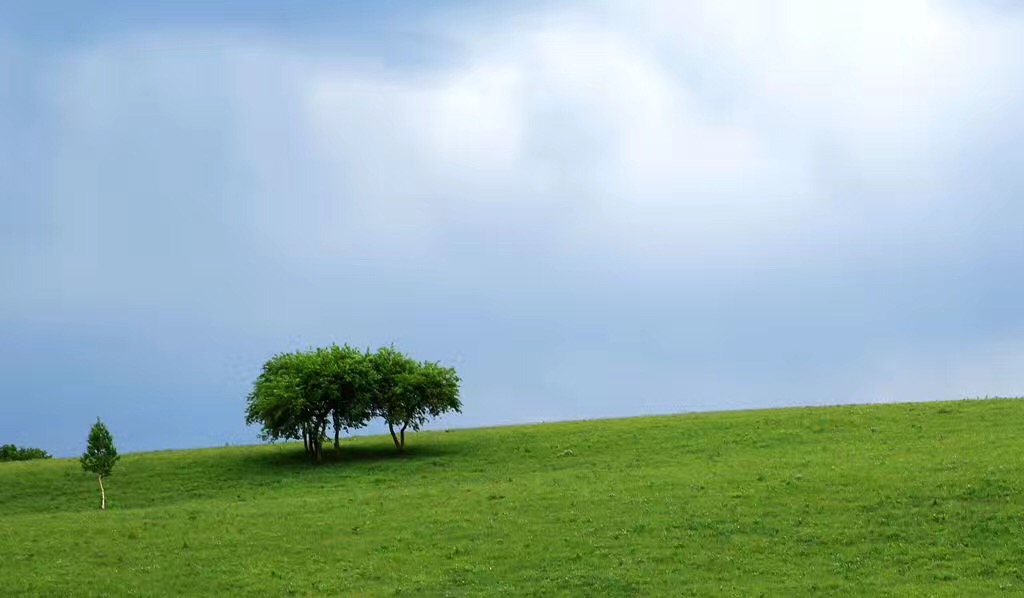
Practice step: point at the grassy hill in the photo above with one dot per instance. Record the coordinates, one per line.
(910, 499)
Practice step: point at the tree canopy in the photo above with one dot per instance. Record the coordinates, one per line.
(298, 395)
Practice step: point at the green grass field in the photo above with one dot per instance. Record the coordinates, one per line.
(909, 499)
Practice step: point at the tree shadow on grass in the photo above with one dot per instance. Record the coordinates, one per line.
(293, 456)
(169, 478)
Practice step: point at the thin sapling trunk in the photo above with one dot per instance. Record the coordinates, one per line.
(100, 457)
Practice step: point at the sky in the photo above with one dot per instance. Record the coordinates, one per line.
(590, 209)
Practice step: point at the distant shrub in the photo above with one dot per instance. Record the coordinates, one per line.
(9, 452)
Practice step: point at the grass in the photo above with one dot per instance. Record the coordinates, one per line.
(904, 500)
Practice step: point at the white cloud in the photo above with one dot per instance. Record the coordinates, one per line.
(664, 132)
(599, 115)
(697, 204)
(558, 115)
(891, 91)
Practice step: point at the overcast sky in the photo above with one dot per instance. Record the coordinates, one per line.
(590, 209)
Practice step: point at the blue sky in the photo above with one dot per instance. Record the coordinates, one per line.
(590, 209)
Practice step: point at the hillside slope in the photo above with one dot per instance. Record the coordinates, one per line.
(907, 499)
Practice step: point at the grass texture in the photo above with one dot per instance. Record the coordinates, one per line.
(903, 500)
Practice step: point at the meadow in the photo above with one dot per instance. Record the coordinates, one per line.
(901, 499)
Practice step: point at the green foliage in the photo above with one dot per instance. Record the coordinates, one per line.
(420, 392)
(885, 500)
(9, 452)
(100, 455)
(351, 378)
(297, 395)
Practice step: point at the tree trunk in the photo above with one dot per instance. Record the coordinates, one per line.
(103, 495)
(337, 434)
(321, 433)
(391, 428)
(404, 426)
(305, 440)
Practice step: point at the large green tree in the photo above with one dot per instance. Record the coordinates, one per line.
(409, 393)
(353, 379)
(100, 456)
(393, 371)
(288, 401)
(298, 395)
(273, 401)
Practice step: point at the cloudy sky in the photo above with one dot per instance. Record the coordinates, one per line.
(591, 209)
